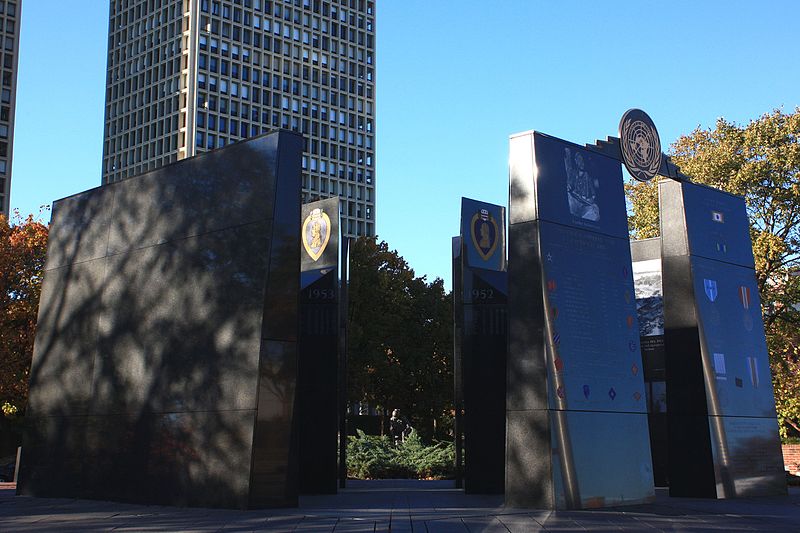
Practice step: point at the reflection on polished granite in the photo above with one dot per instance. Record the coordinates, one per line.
(404, 506)
(722, 424)
(577, 432)
(165, 361)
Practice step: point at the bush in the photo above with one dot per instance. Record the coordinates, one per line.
(373, 457)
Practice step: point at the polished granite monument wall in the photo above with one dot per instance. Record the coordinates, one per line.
(318, 346)
(646, 256)
(576, 418)
(165, 360)
(723, 431)
(480, 289)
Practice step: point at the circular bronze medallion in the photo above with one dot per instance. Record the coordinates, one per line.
(639, 144)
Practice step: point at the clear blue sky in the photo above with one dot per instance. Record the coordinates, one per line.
(454, 79)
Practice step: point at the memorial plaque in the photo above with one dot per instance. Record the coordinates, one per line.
(480, 279)
(576, 397)
(164, 366)
(646, 255)
(318, 346)
(723, 431)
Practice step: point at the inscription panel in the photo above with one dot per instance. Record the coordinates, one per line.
(592, 325)
(735, 356)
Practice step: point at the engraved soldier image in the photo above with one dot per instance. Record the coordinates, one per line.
(581, 187)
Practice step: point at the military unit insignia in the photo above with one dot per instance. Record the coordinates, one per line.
(639, 144)
(484, 232)
(710, 287)
(316, 233)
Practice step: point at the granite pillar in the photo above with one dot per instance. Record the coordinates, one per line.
(723, 430)
(577, 433)
(481, 288)
(318, 345)
(165, 358)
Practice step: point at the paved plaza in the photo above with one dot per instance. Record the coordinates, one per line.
(418, 506)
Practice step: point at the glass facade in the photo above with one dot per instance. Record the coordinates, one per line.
(10, 13)
(188, 76)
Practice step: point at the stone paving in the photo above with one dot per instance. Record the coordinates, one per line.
(402, 506)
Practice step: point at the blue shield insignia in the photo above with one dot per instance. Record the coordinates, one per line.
(710, 286)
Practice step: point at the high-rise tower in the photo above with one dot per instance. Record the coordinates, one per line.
(10, 13)
(187, 76)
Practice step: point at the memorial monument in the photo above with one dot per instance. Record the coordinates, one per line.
(646, 256)
(577, 433)
(480, 288)
(722, 425)
(318, 346)
(165, 359)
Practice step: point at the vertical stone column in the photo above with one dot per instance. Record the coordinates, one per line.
(481, 281)
(318, 345)
(723, 432)
(576, 419)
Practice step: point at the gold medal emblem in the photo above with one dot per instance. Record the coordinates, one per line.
(484, 232)
(316, 233)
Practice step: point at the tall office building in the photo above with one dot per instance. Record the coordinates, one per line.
(187, 76)
(10, 13)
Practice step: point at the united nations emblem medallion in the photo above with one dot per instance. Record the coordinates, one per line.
(639, 144)
(484, 232)
(316, 233)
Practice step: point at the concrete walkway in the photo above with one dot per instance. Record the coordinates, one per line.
(427, 506)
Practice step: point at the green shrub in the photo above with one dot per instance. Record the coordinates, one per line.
(373, 457)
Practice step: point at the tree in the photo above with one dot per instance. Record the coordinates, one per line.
(760, 161)
(23, 246)
(400, 336)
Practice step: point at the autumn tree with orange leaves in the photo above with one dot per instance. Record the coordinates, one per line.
(23, 246)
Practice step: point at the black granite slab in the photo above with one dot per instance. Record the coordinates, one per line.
(152, 381)
(723, 431)
(480, 351)
(576, 407)
(318, 344)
